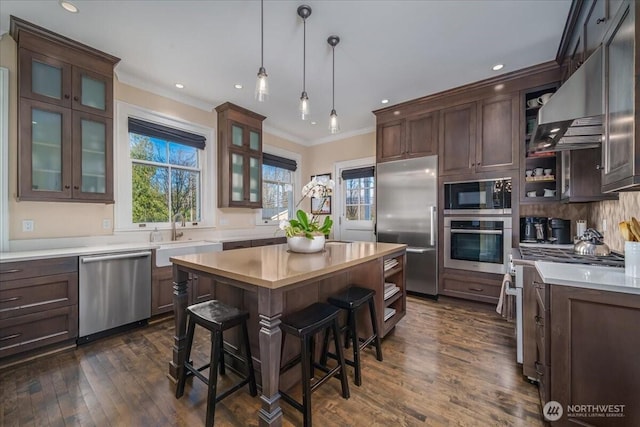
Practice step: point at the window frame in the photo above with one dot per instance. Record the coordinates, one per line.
(297, 186)
(123, 178)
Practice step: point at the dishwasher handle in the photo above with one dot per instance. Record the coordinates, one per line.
(89, 259)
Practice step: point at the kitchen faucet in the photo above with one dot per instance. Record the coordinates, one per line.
(176, 235)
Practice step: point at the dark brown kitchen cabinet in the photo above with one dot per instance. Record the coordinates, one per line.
(480, 136)
(38, 304)
(621, 145)
(240, 244)
(594, 353)
(200, 289)
(239, 157)
(65, 141)
(457, 139)
(413, 136)
(529, 323)
(581, 176)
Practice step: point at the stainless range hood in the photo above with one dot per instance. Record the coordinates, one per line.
(572, 118)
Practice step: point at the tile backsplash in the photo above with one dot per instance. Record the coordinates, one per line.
(614, 211)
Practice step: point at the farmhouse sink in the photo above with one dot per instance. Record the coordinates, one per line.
(169, 249)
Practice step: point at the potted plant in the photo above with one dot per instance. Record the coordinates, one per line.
(304, 233)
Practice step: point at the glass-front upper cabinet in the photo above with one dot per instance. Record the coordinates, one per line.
(239, 157)
(92, 157)
(51, 80)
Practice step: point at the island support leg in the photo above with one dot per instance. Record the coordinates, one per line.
(270, 303)
(180, 302)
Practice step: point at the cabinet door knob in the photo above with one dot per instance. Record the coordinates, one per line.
(599, 167)
(600, 20)
(75, 187)
(67, 187)
(66, 96)
(75, 98)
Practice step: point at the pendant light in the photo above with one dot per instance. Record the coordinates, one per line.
(262, 86)
(304, 12)
(334, 127)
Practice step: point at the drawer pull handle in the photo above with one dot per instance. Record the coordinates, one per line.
(9, 299)
(538, 371)
(15, 270)
(476, 289)
(539, 321)
(10, 337)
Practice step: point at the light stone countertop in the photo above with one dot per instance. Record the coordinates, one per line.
(588, 276)
(274, 266)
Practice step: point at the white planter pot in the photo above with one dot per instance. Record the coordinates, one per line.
(303, 245)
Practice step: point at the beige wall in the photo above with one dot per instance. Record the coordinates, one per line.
(321, 158)
(57, 219)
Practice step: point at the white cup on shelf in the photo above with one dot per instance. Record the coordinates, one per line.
(547, 172)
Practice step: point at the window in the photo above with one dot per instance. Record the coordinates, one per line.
(359, 187)
(165, 180)
(164, 167)
(277, 187)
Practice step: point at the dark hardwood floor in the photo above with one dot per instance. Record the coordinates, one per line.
(447, 363)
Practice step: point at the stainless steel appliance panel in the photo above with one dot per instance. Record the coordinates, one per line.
(114, 290)
(407, 195)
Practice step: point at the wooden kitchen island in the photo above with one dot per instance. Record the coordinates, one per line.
(270, 281)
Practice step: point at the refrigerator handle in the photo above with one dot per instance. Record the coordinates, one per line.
(432, 210)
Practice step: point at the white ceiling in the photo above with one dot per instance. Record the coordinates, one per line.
(399, 50)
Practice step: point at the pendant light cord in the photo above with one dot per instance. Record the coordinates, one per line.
(261, 33)
(304, 55)
(333, 85)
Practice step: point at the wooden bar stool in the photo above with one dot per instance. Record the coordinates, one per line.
(216, 317)
(304, 324)
(351, 300)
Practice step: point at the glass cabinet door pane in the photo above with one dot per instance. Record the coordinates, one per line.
(46, 80)
(93, 93)
(46, 150)
(94, 143)
(236, 135)
(254, 140)
(254, 179)
(237, 177)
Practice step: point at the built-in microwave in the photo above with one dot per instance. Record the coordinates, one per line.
(477, 243)
(491, 196)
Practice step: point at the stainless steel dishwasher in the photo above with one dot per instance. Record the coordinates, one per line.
(114, 291)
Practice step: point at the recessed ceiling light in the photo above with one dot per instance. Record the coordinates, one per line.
(385, 101)
(179, 85)
(314, 123)
(396, 113)
(237, 86)
(497, 67)
(499, 86)
(69, 7)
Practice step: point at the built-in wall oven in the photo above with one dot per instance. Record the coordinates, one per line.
(477, 243)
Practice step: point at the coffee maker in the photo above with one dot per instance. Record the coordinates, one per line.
(560, 231)
(533, 229)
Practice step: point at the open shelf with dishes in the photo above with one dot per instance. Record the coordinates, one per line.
(540, 171)
(393, 295)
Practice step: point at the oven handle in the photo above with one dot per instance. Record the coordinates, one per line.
(477, 231)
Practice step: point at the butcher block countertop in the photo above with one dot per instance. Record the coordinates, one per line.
(275, 266)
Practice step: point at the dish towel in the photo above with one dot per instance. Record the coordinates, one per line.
(503, 301)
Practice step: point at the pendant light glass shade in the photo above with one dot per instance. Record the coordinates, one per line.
(262, 85)
(334, 126)
(304, 106)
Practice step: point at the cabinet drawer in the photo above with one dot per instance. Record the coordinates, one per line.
(467, 289)
(41, 267)
(24, 296)
(35, 330)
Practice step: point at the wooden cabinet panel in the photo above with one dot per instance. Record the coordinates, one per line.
(529, 323)
(422, 135)
(161, 289)
(42, 267)
(24, 296)
(31, 331)
(621, 146)
(389, 140)
(226, 246)
(498, 133)
(201, 289)
(92, 92)
(268, 241)
(581, 176)
(594, 26)
(476, 289)
(44, 79)
(457, 139)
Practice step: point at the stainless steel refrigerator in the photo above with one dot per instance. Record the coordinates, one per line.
(407, 197)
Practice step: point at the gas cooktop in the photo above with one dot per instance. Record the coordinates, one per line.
(568, 256)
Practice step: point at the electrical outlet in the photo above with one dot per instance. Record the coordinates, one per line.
(106, 223)
(27, 225)
(604, 225)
